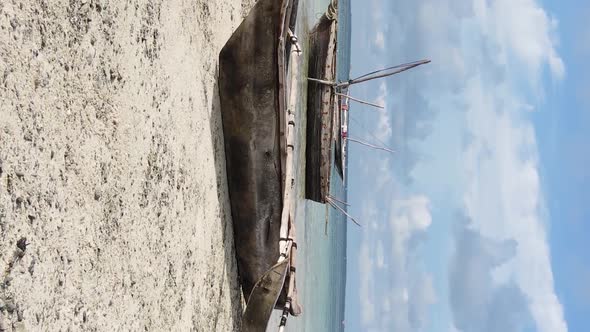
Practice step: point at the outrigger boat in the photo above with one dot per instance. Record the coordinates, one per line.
(258, 69)
(257, 82)
(327, 109)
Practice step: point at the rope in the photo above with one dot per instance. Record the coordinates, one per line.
(334, 205)
(332, 12)
(367, 130)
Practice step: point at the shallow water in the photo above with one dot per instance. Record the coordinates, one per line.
(321, 230)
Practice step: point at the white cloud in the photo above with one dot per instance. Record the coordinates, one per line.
(366, 292)
(379, 40)
(380, 257)
(409, 216)
(487, 55)
(385, 171)
(523, 29)
(452, 328)
(478, 303)
(384, 129)
(504, 197)
(405, 303)
(424, 295)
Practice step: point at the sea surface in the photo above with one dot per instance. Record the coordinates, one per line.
(321, 230)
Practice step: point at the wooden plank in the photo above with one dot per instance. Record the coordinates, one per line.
(290, 151)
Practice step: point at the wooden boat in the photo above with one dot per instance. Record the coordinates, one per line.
(321, 104)
(327, 109)
(258, 131)
(252, 88)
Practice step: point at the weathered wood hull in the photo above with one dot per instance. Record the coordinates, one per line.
(263, 298)
(252, 96)
(321, 104)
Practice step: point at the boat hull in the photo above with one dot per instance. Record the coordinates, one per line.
(250, 97)
(321, 104)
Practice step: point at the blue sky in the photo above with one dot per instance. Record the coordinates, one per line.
(479, 222)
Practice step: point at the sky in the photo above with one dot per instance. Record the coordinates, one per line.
(479, 221)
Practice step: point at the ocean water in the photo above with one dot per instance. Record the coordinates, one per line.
(321, 230)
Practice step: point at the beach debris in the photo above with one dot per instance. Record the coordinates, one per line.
(18, 254)
(19, 202)
(22, 244)
(31, 267)
(7, 280)
(3, 325)
(10, 306)
(21, 247)
(19, 314)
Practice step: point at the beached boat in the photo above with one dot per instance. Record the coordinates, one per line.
(257, 88)
(253, 67)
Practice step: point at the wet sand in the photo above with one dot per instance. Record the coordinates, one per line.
(112, 166)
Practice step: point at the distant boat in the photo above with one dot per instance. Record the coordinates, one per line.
(322, 116)
(327, 112)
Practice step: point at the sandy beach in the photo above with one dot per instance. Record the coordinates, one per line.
(112, 167)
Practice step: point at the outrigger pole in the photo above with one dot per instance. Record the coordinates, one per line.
(376, 147)
(383, 73)
(373, 75)
(287, 241)
(334, 205)
(358, 100)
